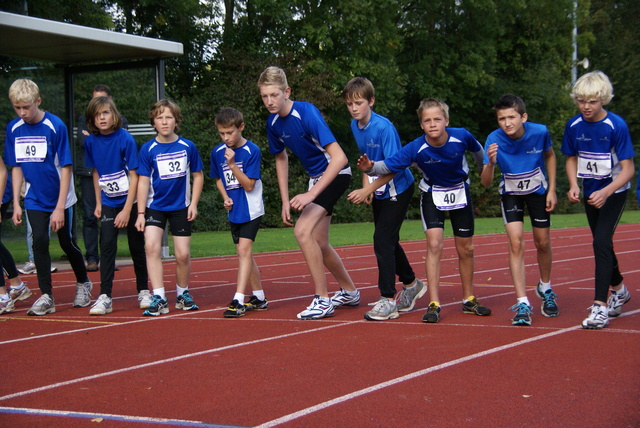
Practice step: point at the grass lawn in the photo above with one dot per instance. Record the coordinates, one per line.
(205, 244)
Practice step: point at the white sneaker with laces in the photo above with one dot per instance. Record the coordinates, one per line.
(345, 298)
(83, 294)
(616, 300)
(598, 317)
(20, 293)
(320, 308)
(44, 305)
(144, 297)
(6, 306)
(384, 309)
(28, 268)
(102, 306)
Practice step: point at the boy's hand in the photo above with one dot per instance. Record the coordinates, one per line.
(17, 215)
(359, 196)
(492, 153)
(192, 212)
(140, 222)
(286, 214)
(598, 198)
(552, 201)
(574, 194)
(57, 219)
(364, 163)
(299, 202)
(229, 155)
(97, 213)
(122, 219)
(228, 204)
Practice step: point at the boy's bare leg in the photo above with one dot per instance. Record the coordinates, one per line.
(464, 247)
(542, 239)
(182, 251)
(246, 266)
(515, 235)
(153, 246)
(330, 257)
(435, 243)
(304, 233)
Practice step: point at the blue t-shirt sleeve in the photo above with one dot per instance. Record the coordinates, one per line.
(195, 162)
(88, 152)
(145, 161)
(404, 158)
(131, 152)
(314, 125)
(252, 167)
(213, 164)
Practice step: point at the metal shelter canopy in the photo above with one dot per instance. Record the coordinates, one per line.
(62, 43)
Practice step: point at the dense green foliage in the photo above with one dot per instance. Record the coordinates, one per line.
(466, 52)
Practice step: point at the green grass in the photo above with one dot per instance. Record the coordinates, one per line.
(205, 244)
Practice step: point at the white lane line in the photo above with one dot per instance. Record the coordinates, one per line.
(374, 388)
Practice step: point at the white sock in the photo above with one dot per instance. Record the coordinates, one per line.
(4, 296)
(544, 286)
(239, 297)
(259, 294)
(524, 300)
(159, 292)
(19, 287)
(181, 290)
(622, 290)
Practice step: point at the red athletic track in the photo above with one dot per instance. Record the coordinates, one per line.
(267, 368)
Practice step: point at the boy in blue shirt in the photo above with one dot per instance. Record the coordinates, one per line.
(300, 127)
(112, 154)
(166, 164)
(235, 165)
(599, 151)
(440, 155)
(525, 155)
(389, 196)
(37, 147)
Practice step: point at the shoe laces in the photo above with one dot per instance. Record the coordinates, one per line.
(521, 308)
(550, 298)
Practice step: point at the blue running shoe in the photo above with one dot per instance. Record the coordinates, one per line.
(186, 303)
(523, 314)
(549, 306)
(157, 307)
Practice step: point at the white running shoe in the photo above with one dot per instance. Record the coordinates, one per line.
(384, 309)
(410, 295)
(44, 305)
(144, 297)
(20, 293)
(616, 300)
(6, 306)
(28, 268)
(320, 308)
(598, 317)
(345, 298)
(83, 294)
(102, 306)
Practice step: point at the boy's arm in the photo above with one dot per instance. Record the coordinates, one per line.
(363, 195)
(336, 164)
(599, 197)
(247, 183)
(143, 192)
(550, 164)
(198, 183)
(488, 171)
(96, 189)
(282, 173)
(16, 179)
(227, 202)
(571, 166)
(122, 219)
(57, 217)
(3, 180)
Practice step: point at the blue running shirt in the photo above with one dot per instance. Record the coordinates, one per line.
(305, 132)
(113, 156)
(247, 206)
(379, 139)
(522, 156)
(40, 150)
(169, 167)
(603, 143)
